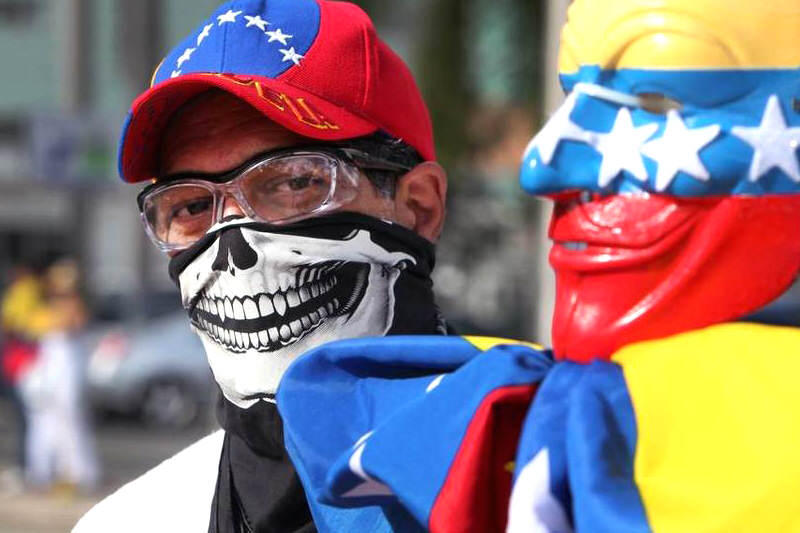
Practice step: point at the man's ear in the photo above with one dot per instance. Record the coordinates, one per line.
(420, 199)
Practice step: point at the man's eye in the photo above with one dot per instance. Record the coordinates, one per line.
(192, 208)
(300, 183)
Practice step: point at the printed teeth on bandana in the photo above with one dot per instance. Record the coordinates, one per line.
(259, 296)
(270, 321)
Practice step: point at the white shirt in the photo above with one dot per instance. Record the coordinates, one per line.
(175, 496)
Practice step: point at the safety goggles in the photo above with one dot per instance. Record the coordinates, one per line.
(277, 187)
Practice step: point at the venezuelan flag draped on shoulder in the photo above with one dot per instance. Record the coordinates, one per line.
(424, 427)
(674, 170)
(423, 433)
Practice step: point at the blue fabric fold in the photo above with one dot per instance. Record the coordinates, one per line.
(377, 423)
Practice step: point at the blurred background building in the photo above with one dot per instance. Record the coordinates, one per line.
(73, 66)
(70, 71)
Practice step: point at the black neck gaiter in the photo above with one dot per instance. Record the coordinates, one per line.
(376, 278)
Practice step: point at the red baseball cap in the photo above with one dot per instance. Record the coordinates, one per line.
(316, 67)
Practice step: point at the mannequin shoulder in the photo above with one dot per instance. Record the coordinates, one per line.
(174, 496)
(717, 416)
(723, 349)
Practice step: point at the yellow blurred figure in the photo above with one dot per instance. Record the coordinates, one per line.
(41, 317)
(66, 310)
(23, 308)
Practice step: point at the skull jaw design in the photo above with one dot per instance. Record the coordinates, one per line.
(259, 300)
(268, 322)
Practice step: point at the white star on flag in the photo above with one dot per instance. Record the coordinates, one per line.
(230, 16)
(369, 486)
(279, 36)
(558, 128)
(205, 33)
(774, 144)
(532, 506)
(256, 21)
(187, 55)
(435, 383)
(620, 148)
(175, 73)
(678, 150)
(291, 55)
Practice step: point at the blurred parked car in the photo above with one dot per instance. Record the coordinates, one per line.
(153, 368)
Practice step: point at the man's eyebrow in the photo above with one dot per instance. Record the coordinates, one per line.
(213, 176)
(192, 174)
(207, 176)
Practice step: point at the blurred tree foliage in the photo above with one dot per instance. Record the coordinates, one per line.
(443, 62)
(469, 56)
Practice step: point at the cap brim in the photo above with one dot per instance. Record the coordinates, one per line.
(294, 109)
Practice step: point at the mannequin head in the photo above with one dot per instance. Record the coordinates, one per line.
(673, 167)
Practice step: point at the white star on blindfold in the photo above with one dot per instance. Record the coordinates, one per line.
(678, 150)
(774, 144)
(620, 148)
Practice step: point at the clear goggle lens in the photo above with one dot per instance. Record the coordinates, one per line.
(279, 190)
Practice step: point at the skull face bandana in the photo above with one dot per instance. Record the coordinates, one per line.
(260, 295)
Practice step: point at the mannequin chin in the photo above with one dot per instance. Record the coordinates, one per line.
(636, 267)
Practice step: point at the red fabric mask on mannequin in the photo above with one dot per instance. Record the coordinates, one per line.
(642, 266)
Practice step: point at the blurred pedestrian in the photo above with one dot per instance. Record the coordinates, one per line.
(23, 321)
(59, 443)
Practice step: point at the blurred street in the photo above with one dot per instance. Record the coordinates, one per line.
(126, 451)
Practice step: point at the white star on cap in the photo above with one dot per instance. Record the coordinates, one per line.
(175, 74)
(678, 150)
(774, 144)
(187, 55)
(256, 21)
(558, 128)
(279, 36)
(291, 55)
(620, 148)
(230, 16)
(205, 33)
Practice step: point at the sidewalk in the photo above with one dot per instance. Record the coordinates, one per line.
(36, 513)
(126, 451)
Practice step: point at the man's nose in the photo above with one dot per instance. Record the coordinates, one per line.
(231, 208)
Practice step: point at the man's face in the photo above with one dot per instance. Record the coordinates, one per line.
(218, 132)
(260, 296)
(673, 167)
